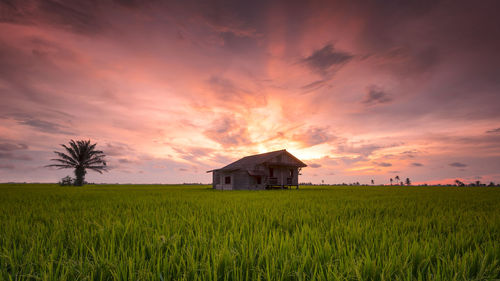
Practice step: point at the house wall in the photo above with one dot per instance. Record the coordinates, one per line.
(282, 173)
(239, 180)
(218, 181)
(245, 181)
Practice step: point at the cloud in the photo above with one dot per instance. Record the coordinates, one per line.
(415, 164)
(352, 160)
(376, 96)
(325, 59)
(382, 164)
(493, 131)
(230, 26)
(314, 165)
(77, 16)
(222, 159)
(224, 87)
(313, 86)
(193, 153)
(227, 92)
(12, 156)
(409, 154)
(458, 165)
(116, 149)
(7, 167)
(45, 126)
(13, 146)
(364, 150)
(39, 124)
(228, 132)
(313, 136)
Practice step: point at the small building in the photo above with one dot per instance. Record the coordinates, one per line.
(276, 169)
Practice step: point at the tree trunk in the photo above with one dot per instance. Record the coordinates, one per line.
(80, 176)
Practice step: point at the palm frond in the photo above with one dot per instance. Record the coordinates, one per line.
(97, 170)
(59, 166)
(76, 149)
(66, 157)
(71, 151)
(63, 161)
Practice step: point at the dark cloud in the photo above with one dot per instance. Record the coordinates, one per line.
(77, 16)
(376, 96)
(224, 87)
(13, 146)
(328, 161)
(228, 132)
(117, 149)
(314, 165)
(313, 136)
(458, 165)
(193, 153)
(12, 156)
(7, 166)
(409, 154)
(352, 160)
(493, 131)
(313, 86)
(19, 71)
(45, 126)
(382, 164)
(219, 158)
(326, 59)
(364, 150)
(228, 93)
(415, 164)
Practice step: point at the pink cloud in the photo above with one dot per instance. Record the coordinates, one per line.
(350, 87)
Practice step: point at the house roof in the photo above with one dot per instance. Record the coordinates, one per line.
(249, 162)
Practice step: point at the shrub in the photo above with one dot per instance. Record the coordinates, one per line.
(66, 181)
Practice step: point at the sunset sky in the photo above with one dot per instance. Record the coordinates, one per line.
(358, 90)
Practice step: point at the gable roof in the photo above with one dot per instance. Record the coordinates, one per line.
(253, 160)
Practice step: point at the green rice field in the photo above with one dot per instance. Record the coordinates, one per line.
(180, 232)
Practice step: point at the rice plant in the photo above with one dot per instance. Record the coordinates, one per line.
(120, 232)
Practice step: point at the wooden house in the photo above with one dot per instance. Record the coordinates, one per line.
(276, 169)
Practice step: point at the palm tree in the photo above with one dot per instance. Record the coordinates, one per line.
(391, 181)
(373, 182)
(396, 178)
(81, 155)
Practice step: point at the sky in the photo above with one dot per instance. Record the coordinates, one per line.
(358, 90)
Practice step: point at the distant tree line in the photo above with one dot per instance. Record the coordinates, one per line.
(397, 182)
(475, 184)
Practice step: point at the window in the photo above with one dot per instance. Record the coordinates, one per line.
(291, 173)
(271, 172)
(227, 180)
(258, 179)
